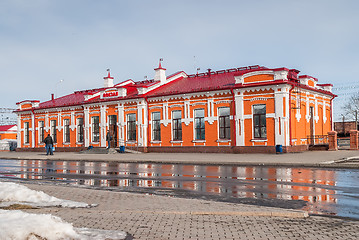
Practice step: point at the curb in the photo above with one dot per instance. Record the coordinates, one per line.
(291, 214)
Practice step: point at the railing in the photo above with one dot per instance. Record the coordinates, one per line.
(317, 139)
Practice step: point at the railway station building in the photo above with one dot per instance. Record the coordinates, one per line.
(238, 110)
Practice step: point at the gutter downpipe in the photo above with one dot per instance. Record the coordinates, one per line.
(290, 113)
(33, 135)
(234, 119)
(331, 113)
(148, 125)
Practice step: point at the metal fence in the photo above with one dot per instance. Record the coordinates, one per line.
(317, 139)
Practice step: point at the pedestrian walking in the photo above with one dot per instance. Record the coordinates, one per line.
(108, 139)
(49, 145)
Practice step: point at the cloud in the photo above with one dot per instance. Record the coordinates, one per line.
(45, 41)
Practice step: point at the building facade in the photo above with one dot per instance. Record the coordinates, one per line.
(8, 132)
(248, 109)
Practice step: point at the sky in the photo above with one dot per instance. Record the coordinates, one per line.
(43, 42)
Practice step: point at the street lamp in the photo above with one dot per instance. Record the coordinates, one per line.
(57, 85)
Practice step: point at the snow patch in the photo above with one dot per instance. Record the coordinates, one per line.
(21, 225)
(12, 193)
(18, 225)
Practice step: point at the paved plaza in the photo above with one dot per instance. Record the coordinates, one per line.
(161, 217)
(145, 216)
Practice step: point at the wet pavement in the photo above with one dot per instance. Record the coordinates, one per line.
(324, 191)
(161, 217)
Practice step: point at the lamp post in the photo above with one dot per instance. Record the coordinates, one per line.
(57, 85)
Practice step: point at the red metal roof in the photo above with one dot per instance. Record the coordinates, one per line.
(5, 128)
(68, 100)
(208, 81)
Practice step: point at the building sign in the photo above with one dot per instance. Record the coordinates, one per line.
(110, 94)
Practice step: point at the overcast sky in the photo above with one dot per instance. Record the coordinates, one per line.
(43, 41)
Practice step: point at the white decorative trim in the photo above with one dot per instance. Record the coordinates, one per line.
(259, 140)
(223, 101)
(130, 109)
(95, 112)
(175, 106)
(198, 104)
(240, 79)
(155, 107)
(259, 99)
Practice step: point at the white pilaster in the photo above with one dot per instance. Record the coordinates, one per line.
(316, 112)
(279, 115)
(47, 123)
(121, 125)
(166, 121)
(239, 118)
(59, 122)
(19, 130)
(186, 114)
(210, 111)
(142, 123)
(33, 130)
(286, 119)
(103, 124)
(72, 121)
(87, 126)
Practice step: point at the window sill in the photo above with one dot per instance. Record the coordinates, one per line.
(131, 142)
(66, 143)
(79, 143)
(156, 142)
(223, 140)
(176, 141)
(198, 141)
(259, 140)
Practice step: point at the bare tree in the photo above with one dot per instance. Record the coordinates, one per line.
(351, 108)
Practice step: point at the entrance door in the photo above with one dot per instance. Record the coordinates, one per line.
(311, 114)
(112, 119)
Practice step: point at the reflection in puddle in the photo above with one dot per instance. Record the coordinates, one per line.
(327, 191)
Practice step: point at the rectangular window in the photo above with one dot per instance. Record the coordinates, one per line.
(96, 129)
(259, 121)
(177, 125)
(80, 130)
(199, 124)
(224, 123)
(131, 127)
(41, 131)
(26, 133)
(53, 130)
(156, 126)
(66, 130)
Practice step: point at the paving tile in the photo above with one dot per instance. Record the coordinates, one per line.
(160, 217)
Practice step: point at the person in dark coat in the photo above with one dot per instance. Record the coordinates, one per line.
(108, 139)
(49, 143)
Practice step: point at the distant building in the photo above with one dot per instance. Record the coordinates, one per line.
(247, 109)
(343, 128)
(8, 132)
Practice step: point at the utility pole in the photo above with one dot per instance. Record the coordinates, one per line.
(343, 125)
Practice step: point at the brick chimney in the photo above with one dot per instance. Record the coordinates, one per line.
(108, 80)
(160, 74)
